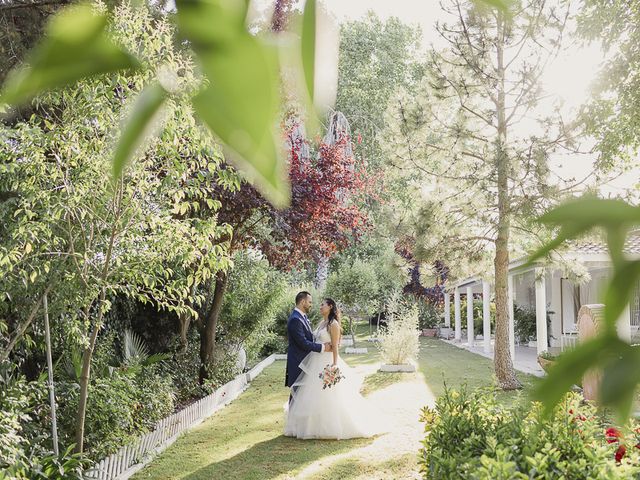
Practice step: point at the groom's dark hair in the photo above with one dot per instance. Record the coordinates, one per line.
(301, 296)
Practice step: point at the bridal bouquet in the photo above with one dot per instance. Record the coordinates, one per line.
(330, 376)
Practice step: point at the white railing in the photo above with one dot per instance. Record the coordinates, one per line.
(131, 458)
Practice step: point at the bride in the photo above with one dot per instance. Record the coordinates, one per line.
(338, 412)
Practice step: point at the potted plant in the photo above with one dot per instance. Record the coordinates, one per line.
(546, 360)
(428, 319)
(399, 343)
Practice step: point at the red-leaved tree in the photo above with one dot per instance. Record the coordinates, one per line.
(327, 187)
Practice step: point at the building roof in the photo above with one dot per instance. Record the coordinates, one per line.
(631, 246)
(583, 249)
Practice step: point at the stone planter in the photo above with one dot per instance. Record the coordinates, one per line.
(373, 339)
(545, 363)
(445, 332)
(352, 350)
(346, 342)
(429, 332)
(532, 344)
(407, 367)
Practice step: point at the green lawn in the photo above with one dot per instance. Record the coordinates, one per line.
(245, 441)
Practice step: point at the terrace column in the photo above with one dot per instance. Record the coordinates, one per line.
(470, 316)
(541, 311)
(486, 316)
(512, 334)
(456, 307)
(447, 310)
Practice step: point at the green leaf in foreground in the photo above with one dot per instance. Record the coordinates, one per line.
(571, 366)
(241, 101)
(619, 291)
(75, 46)
(138, 126)
(620, 380)
(308, 42)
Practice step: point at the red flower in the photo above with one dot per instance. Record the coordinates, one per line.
(620, 453)
(613, 435)
(571, 411)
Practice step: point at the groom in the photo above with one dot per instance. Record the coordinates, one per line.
(300, 338)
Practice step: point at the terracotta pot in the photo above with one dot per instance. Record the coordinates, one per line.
(545, 363)
(429, 332)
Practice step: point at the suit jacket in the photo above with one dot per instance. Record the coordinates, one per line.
(300, 344)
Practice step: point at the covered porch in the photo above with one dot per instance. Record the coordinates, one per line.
(547, 296)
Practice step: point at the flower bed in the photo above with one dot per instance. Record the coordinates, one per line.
(471, 435)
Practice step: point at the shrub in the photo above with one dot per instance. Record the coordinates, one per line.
(23, 418)
(66, 466)
(428, 315)
(253, 300)
(120, 408)
(224, 370)
(524, 319)
(469, 435)
(399, 343)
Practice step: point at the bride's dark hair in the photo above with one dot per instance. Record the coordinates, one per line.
(334, 313)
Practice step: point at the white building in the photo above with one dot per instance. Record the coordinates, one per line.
(547, 292)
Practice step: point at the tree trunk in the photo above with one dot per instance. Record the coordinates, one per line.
(208, 328)
(184, 321)
(87, 355)
(85, 374)
(322, 273)
(502, 355)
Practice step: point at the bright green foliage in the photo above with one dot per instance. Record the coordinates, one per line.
(354, 287)
(151, 236)
(376, 59)
(76, 47)
(470, 435)
(240, 100)
(255, 293)
(21, 417)
(121, 407)
(62, 211)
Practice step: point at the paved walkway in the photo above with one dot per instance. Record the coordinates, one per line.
(526, 357)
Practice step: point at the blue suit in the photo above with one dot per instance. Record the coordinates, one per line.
(300, 344)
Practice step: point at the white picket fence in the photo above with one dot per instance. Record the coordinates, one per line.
(131, 458)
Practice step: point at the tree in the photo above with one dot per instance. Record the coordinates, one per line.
(324, 218)
(464, 135)
(612, 115)
(355, 289)
(376, 59)
(86, 239)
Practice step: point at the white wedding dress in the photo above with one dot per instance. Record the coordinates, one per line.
(339, 412)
